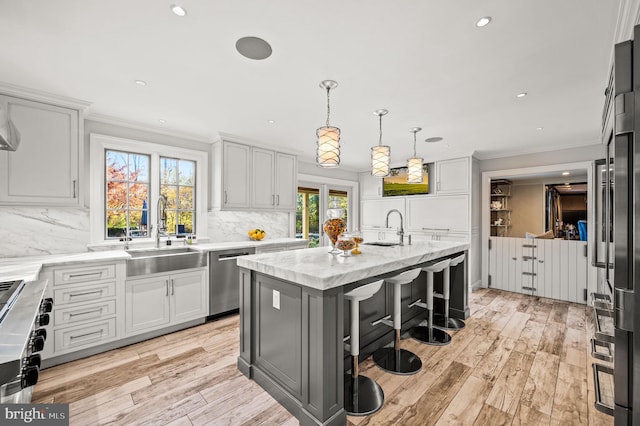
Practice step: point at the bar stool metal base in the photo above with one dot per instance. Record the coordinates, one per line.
(362, 396)
(438, 337)
(397, 361)
(451, 324)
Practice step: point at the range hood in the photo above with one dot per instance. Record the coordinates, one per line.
(9, 135)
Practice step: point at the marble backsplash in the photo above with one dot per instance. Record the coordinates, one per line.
(233, 225)
(32, 231)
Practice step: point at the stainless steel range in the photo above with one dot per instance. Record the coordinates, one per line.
(22, 312)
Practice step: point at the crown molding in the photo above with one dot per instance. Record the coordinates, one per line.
(42, 96)
(117, 121)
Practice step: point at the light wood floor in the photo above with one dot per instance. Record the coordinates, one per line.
(520, 361)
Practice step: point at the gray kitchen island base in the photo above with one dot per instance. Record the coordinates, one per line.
(291, 338)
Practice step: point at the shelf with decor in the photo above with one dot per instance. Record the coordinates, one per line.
(499, 207)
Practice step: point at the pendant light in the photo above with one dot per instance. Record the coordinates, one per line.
(414, 165)
(380, 154)
(328, 153)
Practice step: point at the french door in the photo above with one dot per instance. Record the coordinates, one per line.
(313, 202)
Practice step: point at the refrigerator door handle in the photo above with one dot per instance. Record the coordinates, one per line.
(624, 309)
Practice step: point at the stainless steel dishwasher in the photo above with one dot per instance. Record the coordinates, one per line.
(224, 288)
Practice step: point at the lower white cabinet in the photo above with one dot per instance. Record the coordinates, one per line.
(441, 214)
(165, 299)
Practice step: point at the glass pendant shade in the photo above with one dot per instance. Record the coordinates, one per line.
(328, 153)
(414, 170)
(380, 157)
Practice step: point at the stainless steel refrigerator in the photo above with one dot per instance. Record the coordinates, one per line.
(626, 253)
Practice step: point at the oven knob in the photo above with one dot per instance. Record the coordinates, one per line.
(46, 306)
(40, 332)
(34, 361)
(37, 344)
(43, 320)
(29, 376)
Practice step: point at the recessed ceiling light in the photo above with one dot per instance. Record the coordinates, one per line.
(567, 184)
(521, 95)
(433, 139)
(141, 82)
(565, 173)
(178, 10)
(271, 121)
(162, 121)
(483, 22)
(253, 48)
(539, 128)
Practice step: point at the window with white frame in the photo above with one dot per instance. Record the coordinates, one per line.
(127, 194)
(177, 185)
(128, 178)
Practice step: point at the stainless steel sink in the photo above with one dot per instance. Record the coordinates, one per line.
(381, 243)
(152, 261)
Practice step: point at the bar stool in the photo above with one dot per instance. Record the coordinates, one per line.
(362, 395)
(428, 334)
(396, 360)
(443, 320)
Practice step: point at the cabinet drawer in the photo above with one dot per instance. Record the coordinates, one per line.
(85, 335)
(84, 274)
(85, 293)
(81, 314)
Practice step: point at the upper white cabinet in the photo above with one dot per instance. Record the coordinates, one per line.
(374, 213)
(236, 169)
(370, 186)
(441, 214)
(274, 180)
(247, 177)
(45, 168)
(452, 176)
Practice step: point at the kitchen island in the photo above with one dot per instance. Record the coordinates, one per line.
(292, 318)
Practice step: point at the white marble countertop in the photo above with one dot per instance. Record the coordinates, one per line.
(318, 269)
(28, 268)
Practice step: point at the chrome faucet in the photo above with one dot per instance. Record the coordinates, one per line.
(401, 230)
(161, 226)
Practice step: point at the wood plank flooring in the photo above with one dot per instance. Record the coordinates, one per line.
(521, 360)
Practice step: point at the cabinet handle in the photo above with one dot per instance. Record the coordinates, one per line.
(172, 287)
(436, 229)
(225, 196)
(86, 334)
(88, 274)
(166, 284)
(86, 293)
(273, 200)
(438, 185)
(278, 200)
(73, 314)
(74, 188)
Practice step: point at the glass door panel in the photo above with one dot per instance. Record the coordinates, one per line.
(308, 215)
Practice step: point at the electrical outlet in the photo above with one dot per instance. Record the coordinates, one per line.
(276, 299)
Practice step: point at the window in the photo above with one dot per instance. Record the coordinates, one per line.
(127, 194)
(128, 177)
(177, 184)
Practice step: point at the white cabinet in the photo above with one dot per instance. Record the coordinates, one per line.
(165, 299)
(274, 248)
(274, 180)
(87, 307)
(247, 177)
(370, 186)
(263, 182)
(373, 212)
(236, 169)
(452, 176)
(45, 168)
(438, 214)
(286, 182)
